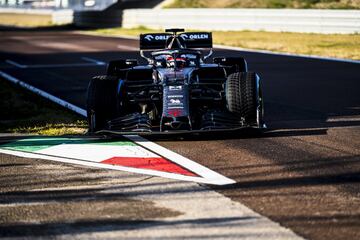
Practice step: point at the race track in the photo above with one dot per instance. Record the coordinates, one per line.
(303, 173)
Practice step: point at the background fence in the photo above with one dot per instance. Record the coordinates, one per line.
(110, 13)
(58, 4)
(289, 20)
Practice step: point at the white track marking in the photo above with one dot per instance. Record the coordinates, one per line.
(44, 94)
(287, 54)
(62, 65)
(18, 65)
(213, 181)
(95, 153)
(91, 62)
(177, 158)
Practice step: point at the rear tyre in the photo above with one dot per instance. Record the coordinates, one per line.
(241, 96)
(101, 102)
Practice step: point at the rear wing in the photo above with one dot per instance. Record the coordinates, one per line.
(152, 41)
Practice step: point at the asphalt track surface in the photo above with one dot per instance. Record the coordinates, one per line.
(304, 173)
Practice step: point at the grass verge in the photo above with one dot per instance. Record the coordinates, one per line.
(326, 45)
(25, 20)
(320, 4)
(25, 112)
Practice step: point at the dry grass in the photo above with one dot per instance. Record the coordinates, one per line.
(25, 112)
(327, 45)
(25, 20)
(322, 4)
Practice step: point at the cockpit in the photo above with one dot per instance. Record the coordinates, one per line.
(176, 61)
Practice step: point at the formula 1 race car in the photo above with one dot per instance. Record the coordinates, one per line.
(176, 91)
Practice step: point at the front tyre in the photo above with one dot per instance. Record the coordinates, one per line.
(243, 96)
(101, 101)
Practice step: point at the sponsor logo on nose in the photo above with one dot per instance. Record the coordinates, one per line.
(175, 101)
(149, 37)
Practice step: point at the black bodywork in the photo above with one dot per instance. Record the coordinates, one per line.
(176, 91)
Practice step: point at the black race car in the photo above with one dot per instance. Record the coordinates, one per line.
(176, 91)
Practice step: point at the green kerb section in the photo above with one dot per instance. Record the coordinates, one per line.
(37, 144)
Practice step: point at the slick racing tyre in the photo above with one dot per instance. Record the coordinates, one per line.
(241, 96)
(101, 102)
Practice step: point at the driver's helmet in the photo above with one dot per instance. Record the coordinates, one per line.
(180, 62)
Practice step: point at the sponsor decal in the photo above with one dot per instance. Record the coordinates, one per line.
(156, 37)
(175, 88)
(176, 96)
(194, 36)
(175, 112)
(162, 37)
(175, 101)
(149, 37)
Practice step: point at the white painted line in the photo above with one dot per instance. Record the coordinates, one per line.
(56, 65)
(63, 65)
(95, 153)
(180, 160)
(18, 65)
(113, 167)
(44, 94)
(287, 54)
(92, 60)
